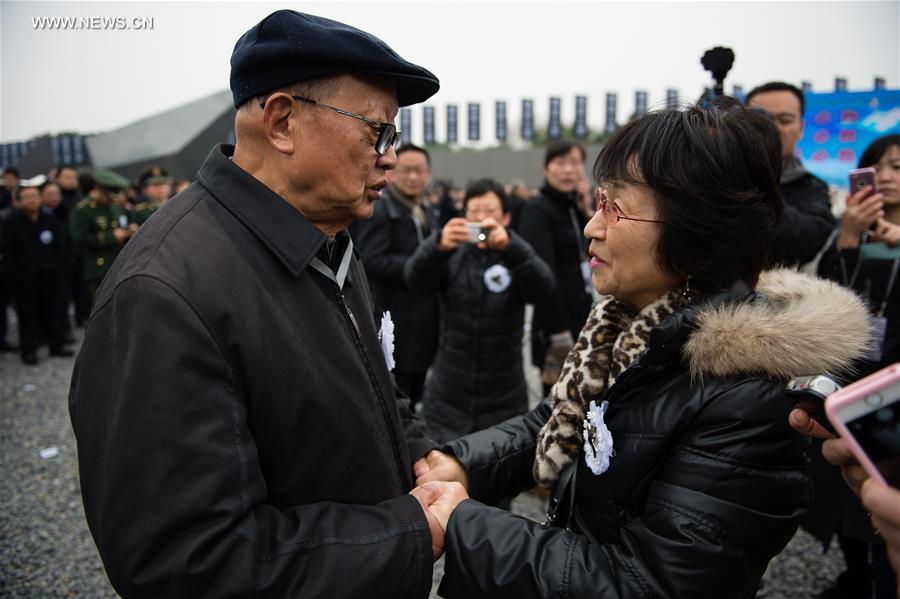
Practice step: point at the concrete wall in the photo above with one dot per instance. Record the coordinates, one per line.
(502, 164)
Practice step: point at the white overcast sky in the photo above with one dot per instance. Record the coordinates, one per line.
(94, 81)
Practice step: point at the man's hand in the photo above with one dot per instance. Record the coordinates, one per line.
(454, 233)
(453, 493)
(121, 234)
(560, 346)
(498, 238)
(440, 466)
(883, 504)
(427, 495)
(863, 209)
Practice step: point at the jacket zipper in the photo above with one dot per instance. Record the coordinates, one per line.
(374, 382)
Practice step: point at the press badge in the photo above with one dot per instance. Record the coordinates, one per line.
(123, 221)
(878, 330)
(587, 274)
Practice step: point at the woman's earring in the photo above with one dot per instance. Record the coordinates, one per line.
(686, 290)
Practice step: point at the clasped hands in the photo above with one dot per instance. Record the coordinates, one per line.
(441, 484)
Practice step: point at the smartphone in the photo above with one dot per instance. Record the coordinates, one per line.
(477, 233)
(867, 415)
(862, 177)
(809, 394)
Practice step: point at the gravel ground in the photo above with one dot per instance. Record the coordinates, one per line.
(46, 550)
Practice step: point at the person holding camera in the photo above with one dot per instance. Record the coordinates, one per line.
(484, 274)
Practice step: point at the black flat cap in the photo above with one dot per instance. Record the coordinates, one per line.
(288, 46)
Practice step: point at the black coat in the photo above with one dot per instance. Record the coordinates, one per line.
(33, 248)
(708, 481)
(477, 379)
(807, 220)
(386, 242)
(238, 433)
(546, 224)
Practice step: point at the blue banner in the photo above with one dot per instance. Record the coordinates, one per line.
(451, 123)
(500, 120)
(474, 121)
(580, 130)
(610, 113)
(839, 126)
(428, 124)
(554, 130)
(405, 126)
(527, 119)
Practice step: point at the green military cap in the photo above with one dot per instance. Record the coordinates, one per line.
(110, 180)
(154, 175)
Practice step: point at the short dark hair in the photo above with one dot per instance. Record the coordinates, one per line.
(47, 184)
(714, 171)
(64, 167)
(561, 147)
(875, 150)
(481, 187)
(20, 189)
(414, 148)
(11, 170)
(778, 86)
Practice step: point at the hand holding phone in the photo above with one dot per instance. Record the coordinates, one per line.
(866, 414)
(864, 207)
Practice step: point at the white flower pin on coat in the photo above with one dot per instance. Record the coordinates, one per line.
(598, 441)
(386, 337)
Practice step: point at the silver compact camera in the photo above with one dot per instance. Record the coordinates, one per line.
(477, 233)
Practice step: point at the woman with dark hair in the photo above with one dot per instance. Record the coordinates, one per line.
(552, 224)
(865, 257)
(665, 441)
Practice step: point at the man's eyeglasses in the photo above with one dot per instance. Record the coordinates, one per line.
(387, 132)
(612, 213)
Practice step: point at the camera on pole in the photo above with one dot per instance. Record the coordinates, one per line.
(718, 61)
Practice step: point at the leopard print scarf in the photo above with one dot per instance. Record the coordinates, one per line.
(614, 335)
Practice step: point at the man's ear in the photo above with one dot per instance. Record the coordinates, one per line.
(507, 217)
(279, 127)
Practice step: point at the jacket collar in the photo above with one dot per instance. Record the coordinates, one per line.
(793, 324)
(287, 233)
(555, 194)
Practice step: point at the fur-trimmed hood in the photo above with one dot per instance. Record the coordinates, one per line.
(807, 326)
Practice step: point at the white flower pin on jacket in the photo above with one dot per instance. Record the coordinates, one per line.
(598, 441)
(386, 337)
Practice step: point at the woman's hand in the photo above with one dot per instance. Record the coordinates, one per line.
(454, 233)
(887, 232)
(498, 238)
(440, 466)
(452, 494)
(863, 209)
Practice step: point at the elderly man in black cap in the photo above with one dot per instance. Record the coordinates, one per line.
(238, 431)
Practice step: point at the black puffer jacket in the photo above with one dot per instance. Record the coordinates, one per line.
(554, 227)
(477, 378)
(708, 481)
(807, 220)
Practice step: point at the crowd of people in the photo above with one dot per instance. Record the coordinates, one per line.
(337, 383)
(59, 235)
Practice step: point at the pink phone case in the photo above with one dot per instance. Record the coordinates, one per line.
(857, 392)
(860, 177)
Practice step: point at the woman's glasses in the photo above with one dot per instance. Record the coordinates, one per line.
(612, 213)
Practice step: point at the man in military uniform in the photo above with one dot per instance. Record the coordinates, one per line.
(99, 227)
(156, 186)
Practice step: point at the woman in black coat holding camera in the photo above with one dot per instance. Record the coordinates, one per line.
(665, 441)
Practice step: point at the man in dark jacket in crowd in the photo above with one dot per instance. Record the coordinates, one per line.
(238, 431)
(807, 220)
(401, 222)
(33, 245)
(477, 380)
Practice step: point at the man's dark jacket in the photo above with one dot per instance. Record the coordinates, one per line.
(386, 242)
(478, 379)
(807, 220)
(238, 432)
(547, 224)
